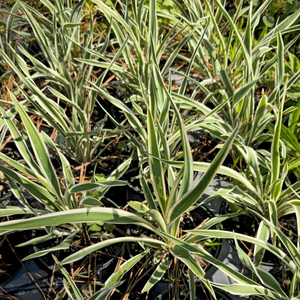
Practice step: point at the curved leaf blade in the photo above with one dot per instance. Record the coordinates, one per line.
(77, 216)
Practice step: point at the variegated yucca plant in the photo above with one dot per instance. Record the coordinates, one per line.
(231, 61)
(58, 79)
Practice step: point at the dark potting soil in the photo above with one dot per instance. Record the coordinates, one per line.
(288, 225)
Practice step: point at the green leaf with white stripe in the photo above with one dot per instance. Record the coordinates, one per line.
(263, 233)
(91, 249)
(20, 142)
(13, 210)
(40, 150)
(70, 281)
(159, 272)
(78, 216)
(189, 198)
(155, 165)
(37, 191)
(186, 257)
(222, 234)
(111, 282)
(64, 245)
(249, 290)
(280, 51)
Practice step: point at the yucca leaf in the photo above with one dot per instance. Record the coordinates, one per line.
(21, 144)
(226, 81)
(41, 36)
(158, 219)
(89, 186)
(203, 254)
(260, 118)
(69, 280)
(24, 169)
(258, 12)
(113, 280)
(283, 25)
(37, 191)
(110, 13)
(248, 33)
(77, 216)
(175, 52)
(64, 245)
(40, 151)
(286, 242)
(273, 216)
(290, 190)
(186, 257)
(68, 174)
(155, 165)
(269, 281)
(157, 275)
(19, 195)
(237, 33)
(217, 28)
(192, 104)
(193, 265)
(251, 158)
(192, 285)
(241, 92)
(153, 24)
(182, 89)
(147, 192)
(194, 194)
(296, 206)
(275, 150)
(13, 210)
(135, 123)
(105, 65)
(53, 110)
(49, 5)
(203, 167)
(91, 249)
(263, 233)
(187, 175)
(244, 290)
(115, 175)
(265, 277)
(289, 138)
(280, 51)
(222, 234)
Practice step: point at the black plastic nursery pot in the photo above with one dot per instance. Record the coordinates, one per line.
(30, 282)
(23, 280)
(37, 278)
